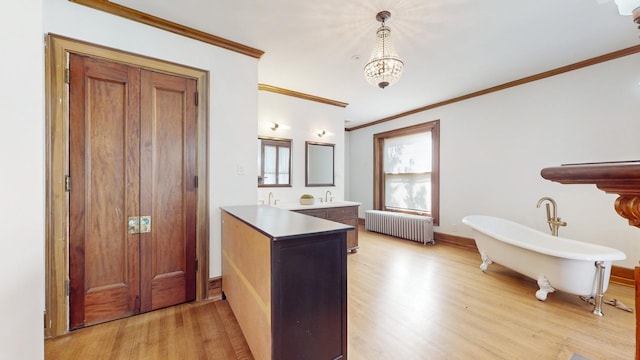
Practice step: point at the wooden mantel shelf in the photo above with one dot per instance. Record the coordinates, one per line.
(622, 178)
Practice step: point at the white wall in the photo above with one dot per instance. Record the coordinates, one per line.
(494, 146)
(298, 119)
(22, 182)
(233, 105)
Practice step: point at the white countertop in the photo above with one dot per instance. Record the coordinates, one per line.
(316, 205)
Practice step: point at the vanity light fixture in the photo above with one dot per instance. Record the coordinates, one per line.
(385, 66)
(275, 126)
(321, 133)
(629, 7)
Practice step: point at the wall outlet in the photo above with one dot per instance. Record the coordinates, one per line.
(241, 170)
(454, 227)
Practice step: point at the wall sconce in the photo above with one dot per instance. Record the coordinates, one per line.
(629, 7)
(626, 7)
(321, 133)
(275, 126)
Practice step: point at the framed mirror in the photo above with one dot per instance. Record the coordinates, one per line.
(319, 164)
(274, 162)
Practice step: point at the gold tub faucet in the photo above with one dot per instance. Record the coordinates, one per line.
(553, 221)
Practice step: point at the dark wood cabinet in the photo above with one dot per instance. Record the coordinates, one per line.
(307, 303)
(285, 277)
(343, 214)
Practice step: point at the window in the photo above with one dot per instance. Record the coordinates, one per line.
(274, 162)
(407, 167)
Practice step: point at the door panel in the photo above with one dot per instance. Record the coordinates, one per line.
(168, 190)
(104, 163)
(132, 153)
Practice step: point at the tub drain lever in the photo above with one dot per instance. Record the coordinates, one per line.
(597, 308)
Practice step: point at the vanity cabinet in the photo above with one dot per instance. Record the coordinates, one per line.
(343, 214)
(285, 278)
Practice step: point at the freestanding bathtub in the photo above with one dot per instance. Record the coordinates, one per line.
(568, 265)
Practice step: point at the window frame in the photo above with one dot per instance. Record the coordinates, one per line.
(277, 142)
(378, 167)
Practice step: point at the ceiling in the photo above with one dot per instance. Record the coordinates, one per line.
(450, 47)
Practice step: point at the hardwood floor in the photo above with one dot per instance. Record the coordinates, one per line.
(409, 301)
(406, 301)
(203, 330)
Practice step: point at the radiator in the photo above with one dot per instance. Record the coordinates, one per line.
(406, 226)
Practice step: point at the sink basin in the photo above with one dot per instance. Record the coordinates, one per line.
(316, 205)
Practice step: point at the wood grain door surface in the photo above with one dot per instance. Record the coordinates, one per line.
(132, 153)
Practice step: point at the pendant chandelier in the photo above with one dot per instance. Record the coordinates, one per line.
(385, 66)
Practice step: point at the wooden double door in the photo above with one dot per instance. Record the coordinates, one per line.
(132, 190)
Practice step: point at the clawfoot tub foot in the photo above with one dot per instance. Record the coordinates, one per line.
(545, 288)
(485, 262)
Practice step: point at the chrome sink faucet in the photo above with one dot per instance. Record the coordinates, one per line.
(328, 196)
(270, 197)
(552, 217)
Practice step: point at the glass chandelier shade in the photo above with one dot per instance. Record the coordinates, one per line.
(385, 66)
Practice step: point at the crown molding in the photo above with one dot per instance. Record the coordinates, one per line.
(300, 95)
(575, 66)
(148, 19)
